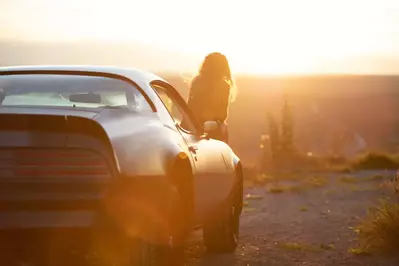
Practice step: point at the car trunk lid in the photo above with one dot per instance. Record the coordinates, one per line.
(54, 170)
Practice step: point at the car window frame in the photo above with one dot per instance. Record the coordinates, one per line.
(177, 99)
(83, 73)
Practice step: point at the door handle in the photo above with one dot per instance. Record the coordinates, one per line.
(193, 149)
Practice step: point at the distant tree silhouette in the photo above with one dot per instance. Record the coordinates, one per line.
(283, 152)
(287, 129)
(274, 135)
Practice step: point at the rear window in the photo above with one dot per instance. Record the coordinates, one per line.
(69, 91)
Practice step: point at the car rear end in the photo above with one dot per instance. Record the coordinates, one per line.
(54, 173)
(57, 163)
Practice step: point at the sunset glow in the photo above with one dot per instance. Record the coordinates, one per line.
(258, 36)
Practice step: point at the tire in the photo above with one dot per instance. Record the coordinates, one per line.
(113, 247)
(221, 235)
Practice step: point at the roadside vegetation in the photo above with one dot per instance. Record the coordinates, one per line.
(378, 231)
(285, 169)
(282, 160)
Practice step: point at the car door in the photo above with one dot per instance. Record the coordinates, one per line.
(211, 179)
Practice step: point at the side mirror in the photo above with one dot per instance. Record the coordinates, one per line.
(210, 127)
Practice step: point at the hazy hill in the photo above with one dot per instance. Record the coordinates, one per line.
(121, 54)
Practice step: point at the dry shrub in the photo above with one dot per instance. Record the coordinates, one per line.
(375, 161)
(378, 232)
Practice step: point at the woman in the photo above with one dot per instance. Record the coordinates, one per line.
(211, 92)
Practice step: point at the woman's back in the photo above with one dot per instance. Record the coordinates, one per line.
(210, 93)
(209, 99)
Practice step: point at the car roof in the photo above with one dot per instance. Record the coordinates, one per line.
(140, 77)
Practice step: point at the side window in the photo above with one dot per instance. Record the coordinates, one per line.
(175, 110)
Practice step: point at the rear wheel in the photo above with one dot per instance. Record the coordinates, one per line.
(221, 235)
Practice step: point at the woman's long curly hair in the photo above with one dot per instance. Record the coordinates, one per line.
(214, 67)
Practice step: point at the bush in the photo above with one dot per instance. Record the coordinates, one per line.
(376, 161)
(379, 231)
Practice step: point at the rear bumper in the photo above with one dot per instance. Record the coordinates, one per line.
(42, 244)
(126, 204)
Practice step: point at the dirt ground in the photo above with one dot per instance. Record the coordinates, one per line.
(302, 222)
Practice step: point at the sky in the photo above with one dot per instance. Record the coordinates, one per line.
(258, 36)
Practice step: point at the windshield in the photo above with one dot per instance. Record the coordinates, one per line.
(69, 91)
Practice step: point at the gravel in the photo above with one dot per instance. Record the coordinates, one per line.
(310, 227)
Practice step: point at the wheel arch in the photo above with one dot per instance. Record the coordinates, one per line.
(181, 177)
(181, 165)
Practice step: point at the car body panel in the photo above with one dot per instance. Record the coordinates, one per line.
(213, 182)
(145, 144)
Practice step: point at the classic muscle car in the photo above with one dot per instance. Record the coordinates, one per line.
(111, 159)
